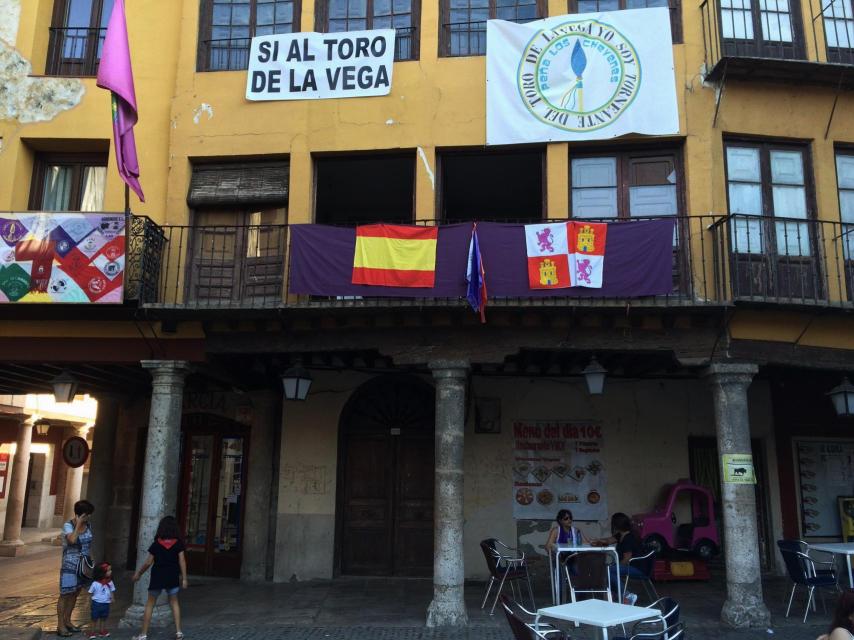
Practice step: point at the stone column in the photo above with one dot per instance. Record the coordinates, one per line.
(744, 606)
(12, 545)
(100, 490)
(73, 480)
(160, 473)
(448, 607)
(259, 483)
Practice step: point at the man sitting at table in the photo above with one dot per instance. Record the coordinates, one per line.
(628, 547)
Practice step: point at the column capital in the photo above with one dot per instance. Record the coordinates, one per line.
(449, 368)
(166, 366)
(730, 373)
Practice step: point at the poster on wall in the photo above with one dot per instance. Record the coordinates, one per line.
(558, 465)
(61, 257)
(586, 76)
(309, 66)
(825, 472)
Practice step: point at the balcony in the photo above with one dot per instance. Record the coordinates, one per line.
(74, 51)
(232, 54)
(767, 42)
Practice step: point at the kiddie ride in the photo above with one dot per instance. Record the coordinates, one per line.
(688, 545)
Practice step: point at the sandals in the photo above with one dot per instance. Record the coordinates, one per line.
(179, 636)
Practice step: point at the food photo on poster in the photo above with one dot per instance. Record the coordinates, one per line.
(558, 465)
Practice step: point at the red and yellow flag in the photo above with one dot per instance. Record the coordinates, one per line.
(390, 255)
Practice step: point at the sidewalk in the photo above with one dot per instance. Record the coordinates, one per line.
(350, 608)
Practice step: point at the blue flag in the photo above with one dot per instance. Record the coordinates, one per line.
(476, 277)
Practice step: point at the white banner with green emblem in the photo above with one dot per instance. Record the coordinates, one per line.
(586, 76)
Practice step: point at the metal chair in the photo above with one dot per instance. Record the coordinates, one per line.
(669, 617)
(672, 632)
(517, 614)
(504, 564)
(587, 573)
(802, 570)
(643, 564)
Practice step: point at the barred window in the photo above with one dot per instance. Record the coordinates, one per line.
(334, 16)
(463, 28)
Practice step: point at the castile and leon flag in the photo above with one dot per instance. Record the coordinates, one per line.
(566, 254)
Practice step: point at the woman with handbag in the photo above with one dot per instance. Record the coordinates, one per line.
(77, 565)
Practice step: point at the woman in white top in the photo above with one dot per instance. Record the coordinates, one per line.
(842, 627)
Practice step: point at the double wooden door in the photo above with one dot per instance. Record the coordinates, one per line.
(385, 523)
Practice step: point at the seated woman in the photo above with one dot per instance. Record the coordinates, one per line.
(564, 532)
(628, 547)
(842, 627)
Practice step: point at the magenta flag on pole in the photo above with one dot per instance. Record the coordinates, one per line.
(115, 75)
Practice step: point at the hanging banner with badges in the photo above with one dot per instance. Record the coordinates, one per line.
(586, 76)
(62, 257)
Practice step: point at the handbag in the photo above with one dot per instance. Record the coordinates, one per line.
(86, 567)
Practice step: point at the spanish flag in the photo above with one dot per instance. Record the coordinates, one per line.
(395, 255)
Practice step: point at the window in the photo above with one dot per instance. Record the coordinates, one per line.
(463, 25)
(845, 185)
(72, 182)
(625, 185)
(839, 31)
(76, 36)
(355, 15)
(596, 6)
(767, 29)
(492, 185)
(769, 190)
(227, 28)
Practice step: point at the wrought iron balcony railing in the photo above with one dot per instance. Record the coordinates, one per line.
(232, 54)
(74, 51)
(767, 41)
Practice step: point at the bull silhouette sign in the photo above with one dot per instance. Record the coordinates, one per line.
(738, 468)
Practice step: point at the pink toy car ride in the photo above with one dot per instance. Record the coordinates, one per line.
(662, 530)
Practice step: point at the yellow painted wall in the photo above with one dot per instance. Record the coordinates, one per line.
(435, 102)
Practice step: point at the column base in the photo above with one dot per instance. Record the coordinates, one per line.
(12, 548)
(447, 612)
(746, 613)
(160, 617)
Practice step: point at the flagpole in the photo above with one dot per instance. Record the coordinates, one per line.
(127, 199)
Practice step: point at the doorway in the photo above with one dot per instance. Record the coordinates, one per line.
(213, 481)
(385, 479)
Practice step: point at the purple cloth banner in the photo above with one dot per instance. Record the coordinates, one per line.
(638, 262)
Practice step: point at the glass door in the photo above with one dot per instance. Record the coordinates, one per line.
(761, 29)
(213, 478)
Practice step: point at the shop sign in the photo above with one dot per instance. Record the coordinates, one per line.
(310, 66)
(4, 473)
(588, 76)
(558, 465)
(75, 451)
(738, 468)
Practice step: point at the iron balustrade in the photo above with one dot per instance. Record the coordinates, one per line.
(773, 30)
(145, 245)
(465, 38)
(247, 267)
(74, 51)
(232, 54)
(789, 261)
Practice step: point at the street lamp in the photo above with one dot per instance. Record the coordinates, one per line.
(842, 397)
(594, 376)
(64, 387)
(297, 382)
(42, 426)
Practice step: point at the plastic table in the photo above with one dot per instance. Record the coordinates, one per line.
(599, 613)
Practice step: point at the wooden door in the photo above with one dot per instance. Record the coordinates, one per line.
(386, 478)
(212, 489)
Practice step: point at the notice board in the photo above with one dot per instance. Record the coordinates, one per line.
(825, 471)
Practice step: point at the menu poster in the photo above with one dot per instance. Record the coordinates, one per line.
(826, 471)
(558, 465)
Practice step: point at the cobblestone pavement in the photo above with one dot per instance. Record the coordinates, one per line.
(352, 608)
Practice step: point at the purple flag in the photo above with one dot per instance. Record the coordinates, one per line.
(640, 262)
(115, 75)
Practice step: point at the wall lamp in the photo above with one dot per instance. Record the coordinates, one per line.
(297, 382)
(594, 376)
(842, 397)
(64, 387)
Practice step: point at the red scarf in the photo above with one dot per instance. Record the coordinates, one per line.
(166, 542)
